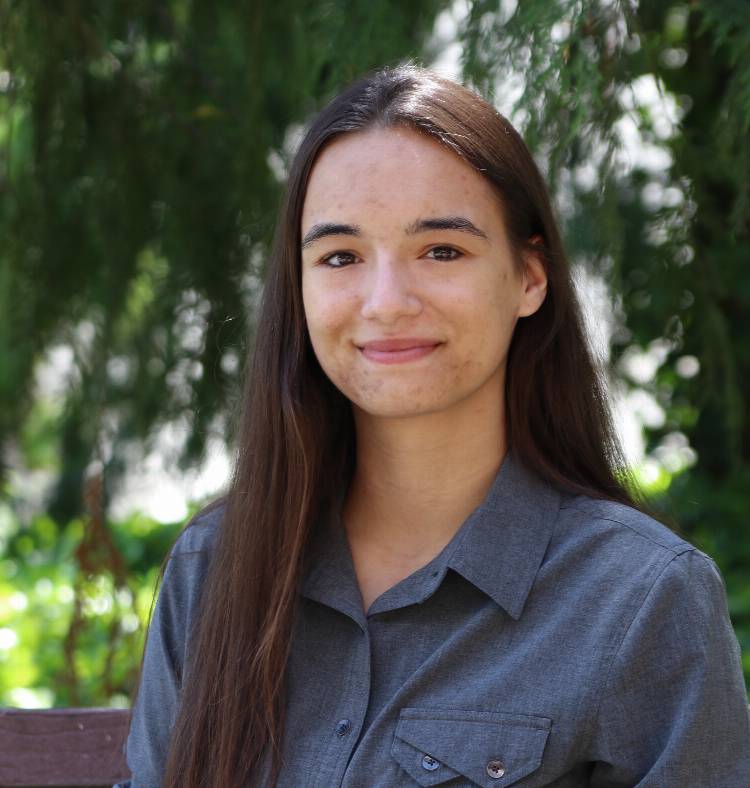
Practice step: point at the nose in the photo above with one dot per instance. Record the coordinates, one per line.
(388, 291)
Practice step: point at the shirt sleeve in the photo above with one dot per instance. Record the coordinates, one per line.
(674, 712)
(157, 700)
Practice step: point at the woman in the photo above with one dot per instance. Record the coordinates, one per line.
(428, 569)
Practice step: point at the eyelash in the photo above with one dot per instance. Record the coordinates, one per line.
(325, 260)
(455, 256)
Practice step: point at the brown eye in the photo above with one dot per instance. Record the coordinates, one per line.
(338, 259)
(444, 253)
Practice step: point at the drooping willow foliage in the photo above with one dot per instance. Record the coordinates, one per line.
(673, 236)
(142, 151)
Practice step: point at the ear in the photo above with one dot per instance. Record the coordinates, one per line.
(534, 277)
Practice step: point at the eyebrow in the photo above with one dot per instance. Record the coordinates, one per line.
(460, 223)
(318, 231)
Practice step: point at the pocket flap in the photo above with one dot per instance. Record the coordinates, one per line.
(489, 748)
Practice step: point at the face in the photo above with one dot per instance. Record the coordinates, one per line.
(410, 290)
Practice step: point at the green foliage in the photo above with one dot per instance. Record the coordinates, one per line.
(69, 638)
(142, 151)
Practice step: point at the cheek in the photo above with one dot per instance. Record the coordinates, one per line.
(325, 310)
(503, 299)
(329, 315)
(487, 316)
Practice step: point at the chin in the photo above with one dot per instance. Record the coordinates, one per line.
(401, 408)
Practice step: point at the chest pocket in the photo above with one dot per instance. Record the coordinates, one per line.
(491, 749)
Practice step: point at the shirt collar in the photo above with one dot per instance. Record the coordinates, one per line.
(503, 547)
(499, 549)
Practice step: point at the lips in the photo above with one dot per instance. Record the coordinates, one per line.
(398, 351)
(394, 345)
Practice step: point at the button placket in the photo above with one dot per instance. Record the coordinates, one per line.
(348, 729)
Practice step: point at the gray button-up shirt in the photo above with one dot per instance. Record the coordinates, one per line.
(555, 641)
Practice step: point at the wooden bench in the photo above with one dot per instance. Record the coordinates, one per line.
(62, 747)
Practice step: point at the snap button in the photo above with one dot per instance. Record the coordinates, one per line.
(429, 763)
(343, 727)
(495, 769)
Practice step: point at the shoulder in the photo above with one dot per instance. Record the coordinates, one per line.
(169, 645)
(198, 537)
(657, 608)
(621, 555)
(644, 588)
(188, 563)
(622, 521)
(617, 528)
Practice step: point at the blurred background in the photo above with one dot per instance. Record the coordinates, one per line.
(143, 149)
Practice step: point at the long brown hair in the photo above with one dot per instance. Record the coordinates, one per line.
(297, 442)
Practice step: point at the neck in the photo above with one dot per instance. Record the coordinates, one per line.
(418, 478)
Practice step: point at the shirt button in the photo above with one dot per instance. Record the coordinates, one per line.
(429, 763)
(495, 769)
(343, 727)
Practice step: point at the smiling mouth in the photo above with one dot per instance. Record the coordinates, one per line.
(399, 356)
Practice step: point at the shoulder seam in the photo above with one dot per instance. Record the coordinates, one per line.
(658, 576)
(678, 549)
(207, 523)
(607, 671)
(178, 553)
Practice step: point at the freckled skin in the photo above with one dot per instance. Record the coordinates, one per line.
(383, 181)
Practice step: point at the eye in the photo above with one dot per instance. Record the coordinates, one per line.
(338, 259)
(444, 253)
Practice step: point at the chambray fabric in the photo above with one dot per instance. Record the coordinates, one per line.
(555, 641)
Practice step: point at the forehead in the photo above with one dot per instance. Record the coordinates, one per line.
(394, 172)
